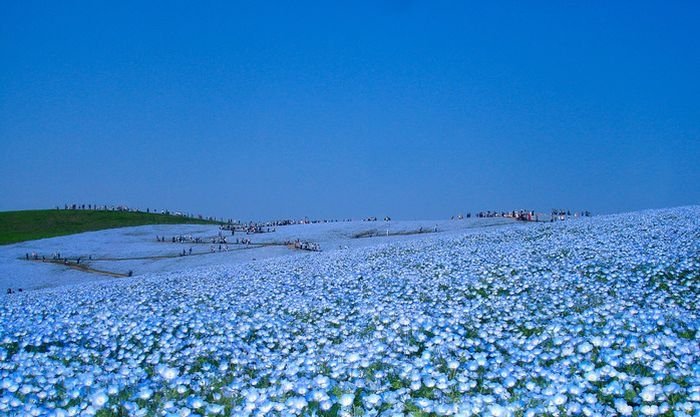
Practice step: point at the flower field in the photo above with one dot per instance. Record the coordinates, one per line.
(590, 317)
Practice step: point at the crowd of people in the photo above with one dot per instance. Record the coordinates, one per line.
(559, 214)
(217, 244)
(529, 215)
(181, 239)
(492, 214)
(304, 245)
(249, 228)
(56, 256)
(305, 220)
(220, 239)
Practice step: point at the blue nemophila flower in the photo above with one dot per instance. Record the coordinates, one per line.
(99, 399)
(346, 400)
(167, 373)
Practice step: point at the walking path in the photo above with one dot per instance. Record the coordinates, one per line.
(84, 264)
(114, 252)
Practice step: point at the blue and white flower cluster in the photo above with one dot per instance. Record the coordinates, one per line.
(592, 318)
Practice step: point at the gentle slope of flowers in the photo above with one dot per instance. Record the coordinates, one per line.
(593, 317)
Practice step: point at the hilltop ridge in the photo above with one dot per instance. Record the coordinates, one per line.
(20, 226)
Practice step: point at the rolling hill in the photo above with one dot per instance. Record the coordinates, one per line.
(19, 226)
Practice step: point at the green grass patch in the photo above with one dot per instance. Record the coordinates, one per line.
(20, 226)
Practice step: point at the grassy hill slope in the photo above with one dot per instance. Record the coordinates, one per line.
(18, 226)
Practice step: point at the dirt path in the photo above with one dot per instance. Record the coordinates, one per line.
(377, 233)
(83, 267)
(179, 254)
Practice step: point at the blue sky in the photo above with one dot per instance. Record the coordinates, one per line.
(411, 109)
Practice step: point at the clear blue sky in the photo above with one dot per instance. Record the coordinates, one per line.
(412, 109)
